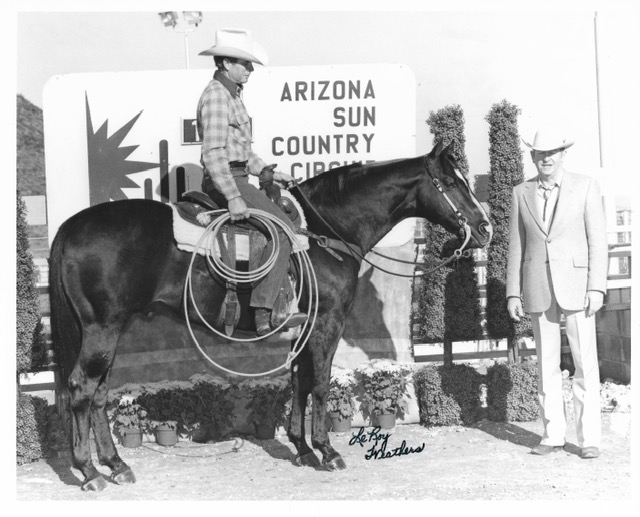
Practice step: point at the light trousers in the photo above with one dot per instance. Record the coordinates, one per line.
(581, 334)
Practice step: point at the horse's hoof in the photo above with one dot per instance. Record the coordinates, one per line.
(308, 460)
(126, 476)
(97, 484)
(336, 463)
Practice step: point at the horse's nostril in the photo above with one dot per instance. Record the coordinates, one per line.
(486, 229)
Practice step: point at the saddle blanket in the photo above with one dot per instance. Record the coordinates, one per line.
(187, 236)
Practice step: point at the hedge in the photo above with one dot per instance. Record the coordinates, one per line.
(451, 395)
(448, 395)
(512, 392)
(31, 429)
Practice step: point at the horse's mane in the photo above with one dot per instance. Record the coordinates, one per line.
(332, 186)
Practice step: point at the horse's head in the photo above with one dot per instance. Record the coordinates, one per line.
(446, 198)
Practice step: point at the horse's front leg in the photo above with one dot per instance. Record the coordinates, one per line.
(301, 384)
(322, 354)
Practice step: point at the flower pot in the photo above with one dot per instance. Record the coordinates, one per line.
(384, 421)
(339, 425)
(166, 435)
(132, 438)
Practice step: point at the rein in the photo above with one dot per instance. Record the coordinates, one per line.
(355, 250)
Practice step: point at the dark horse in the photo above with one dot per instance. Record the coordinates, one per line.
(114, 260)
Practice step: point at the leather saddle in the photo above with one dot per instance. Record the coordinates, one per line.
(196, 203)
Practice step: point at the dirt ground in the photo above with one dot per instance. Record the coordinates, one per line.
(489, 461)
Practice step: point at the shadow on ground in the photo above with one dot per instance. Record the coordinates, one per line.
(517, 435)
(508, 432)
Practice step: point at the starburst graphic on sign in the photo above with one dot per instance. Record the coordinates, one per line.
(108, 164)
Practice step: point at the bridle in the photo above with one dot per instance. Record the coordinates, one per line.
(355, 251)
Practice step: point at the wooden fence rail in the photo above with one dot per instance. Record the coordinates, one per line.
(488, 354)
(615, 304)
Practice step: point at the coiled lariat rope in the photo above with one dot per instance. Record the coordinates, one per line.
(307, 274)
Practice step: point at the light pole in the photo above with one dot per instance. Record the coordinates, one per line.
(183, 22)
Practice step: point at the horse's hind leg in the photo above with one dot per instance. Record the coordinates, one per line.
(96, 355)
(81, 391)
(107, 453)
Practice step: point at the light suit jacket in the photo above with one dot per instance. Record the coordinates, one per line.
(575, 247)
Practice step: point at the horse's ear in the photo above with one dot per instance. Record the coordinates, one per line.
(448, 149)
(437, 149)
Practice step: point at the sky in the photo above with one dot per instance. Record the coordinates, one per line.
(543, 60)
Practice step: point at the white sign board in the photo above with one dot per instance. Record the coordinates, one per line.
(132, 134)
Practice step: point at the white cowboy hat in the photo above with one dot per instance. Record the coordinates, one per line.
(237, 43)
(548, 140)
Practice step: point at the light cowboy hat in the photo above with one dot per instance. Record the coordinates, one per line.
(548, 140)
(237, 43)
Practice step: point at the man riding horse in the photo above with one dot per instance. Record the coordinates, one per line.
(227, 159)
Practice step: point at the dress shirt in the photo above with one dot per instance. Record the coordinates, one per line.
(552, 191)
(225, 129)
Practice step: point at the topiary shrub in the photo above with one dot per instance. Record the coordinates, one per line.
(448, 395)
(507, 171)
(446, 307)
(512, 392)
(30, 346)
(31, 429)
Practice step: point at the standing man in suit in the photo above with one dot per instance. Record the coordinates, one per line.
(557, 263)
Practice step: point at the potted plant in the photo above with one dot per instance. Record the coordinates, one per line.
(340, 401)
(129, 421)
(383, 388)
(166, 432)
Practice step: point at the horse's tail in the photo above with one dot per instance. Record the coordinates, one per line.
(66, 333)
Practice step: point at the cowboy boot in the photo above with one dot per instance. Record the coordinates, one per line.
(295, 319)
(264, 323)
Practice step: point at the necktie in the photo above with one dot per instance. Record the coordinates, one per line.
(546, 195)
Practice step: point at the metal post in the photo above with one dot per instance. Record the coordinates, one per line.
(186, 49)
(184, 22)
(595, 37)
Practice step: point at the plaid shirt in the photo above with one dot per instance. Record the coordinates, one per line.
(225, 129)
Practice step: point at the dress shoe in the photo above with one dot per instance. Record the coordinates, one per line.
(589, 453)
(543, 450)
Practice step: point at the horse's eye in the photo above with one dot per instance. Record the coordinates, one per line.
(449, 182)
